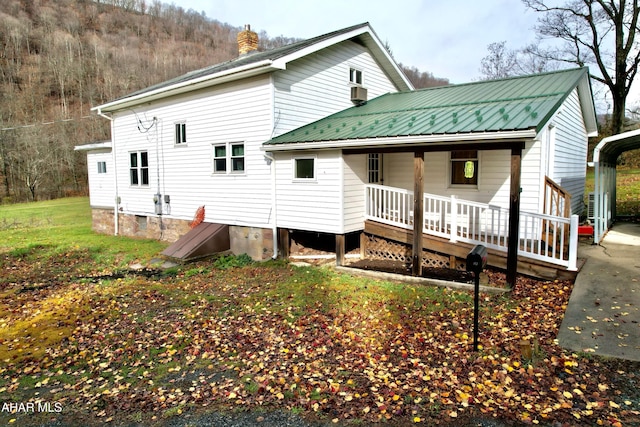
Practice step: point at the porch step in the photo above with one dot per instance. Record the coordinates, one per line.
(205, 239)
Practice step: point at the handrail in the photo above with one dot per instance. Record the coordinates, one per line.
(557, 200)
(544, 237)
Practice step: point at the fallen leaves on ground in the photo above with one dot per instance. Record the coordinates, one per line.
(306, 340)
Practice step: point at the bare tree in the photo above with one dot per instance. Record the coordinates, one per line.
(596, 32)
(422, 79)
(500, 62)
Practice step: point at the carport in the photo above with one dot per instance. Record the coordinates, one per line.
(605, 157)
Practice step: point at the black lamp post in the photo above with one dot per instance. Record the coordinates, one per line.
(476, 261)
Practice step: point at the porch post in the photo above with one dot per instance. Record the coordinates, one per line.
(514, 216)
(418, 212)
(340, 249)
(284, 243)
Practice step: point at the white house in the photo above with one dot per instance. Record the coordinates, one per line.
(196, 140)
(272, 142)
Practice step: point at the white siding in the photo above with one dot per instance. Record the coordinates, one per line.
(238, 112)
(493, 175)
(101, 185)
(355, 176)
(313, 205)
(531, 178)
(316, 86)
(570, 151)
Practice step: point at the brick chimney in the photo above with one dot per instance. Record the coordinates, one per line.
(247, 41)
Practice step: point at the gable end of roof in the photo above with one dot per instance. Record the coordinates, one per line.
(263, 62)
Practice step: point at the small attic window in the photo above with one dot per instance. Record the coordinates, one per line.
(181, 133)
(355, 76)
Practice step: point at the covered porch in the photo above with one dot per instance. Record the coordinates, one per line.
(492, 144)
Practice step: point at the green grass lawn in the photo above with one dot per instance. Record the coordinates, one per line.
(108, 345)
(61, 226)
(627, 190)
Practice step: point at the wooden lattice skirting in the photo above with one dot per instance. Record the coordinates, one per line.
(380, 248)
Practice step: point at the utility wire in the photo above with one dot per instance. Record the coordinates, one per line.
(45, 123)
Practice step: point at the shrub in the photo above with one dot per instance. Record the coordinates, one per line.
(228, 261)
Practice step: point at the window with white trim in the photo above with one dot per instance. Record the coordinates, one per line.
(139, 168)
(355, 76)
(180, 133)
(304, 168)
(464, 167)
(102, 167)
(228, 158)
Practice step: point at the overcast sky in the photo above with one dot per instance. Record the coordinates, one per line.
(445, 37)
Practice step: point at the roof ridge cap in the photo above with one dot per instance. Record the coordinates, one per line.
(566, 70)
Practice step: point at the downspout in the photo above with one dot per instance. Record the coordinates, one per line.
(272, 164)
(274, 208)
(115, 174)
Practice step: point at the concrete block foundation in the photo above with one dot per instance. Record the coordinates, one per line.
(253, 241)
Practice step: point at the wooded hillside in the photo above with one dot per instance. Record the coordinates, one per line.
(58, 58)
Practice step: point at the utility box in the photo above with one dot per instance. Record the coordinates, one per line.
(157, 202)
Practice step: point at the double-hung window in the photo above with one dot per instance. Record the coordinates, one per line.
(139, 168)
(102, 167)
(355, 76)
(228, 158)
(181, 133)
(464, 167)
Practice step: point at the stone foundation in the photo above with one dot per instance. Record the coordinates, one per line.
(102, 220)
(255, 242)
(147, 227)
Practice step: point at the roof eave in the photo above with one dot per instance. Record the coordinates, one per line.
(585, 93)
(190, 85)
(416, 140)
(93, 146)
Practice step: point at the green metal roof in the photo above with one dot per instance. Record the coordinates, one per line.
(512, 104)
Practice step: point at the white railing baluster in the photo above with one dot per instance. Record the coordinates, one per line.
(542, 237)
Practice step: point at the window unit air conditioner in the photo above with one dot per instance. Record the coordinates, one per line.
(591, 207)
(358, 95)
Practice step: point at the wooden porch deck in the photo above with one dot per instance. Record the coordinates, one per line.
(457, 251)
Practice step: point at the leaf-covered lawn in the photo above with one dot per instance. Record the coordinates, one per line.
(146, 347)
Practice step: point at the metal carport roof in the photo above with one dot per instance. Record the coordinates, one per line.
(609, 149)
(605, 157)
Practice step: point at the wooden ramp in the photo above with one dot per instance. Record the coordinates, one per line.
(205, 239)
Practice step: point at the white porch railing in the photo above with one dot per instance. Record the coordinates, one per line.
(546, 238)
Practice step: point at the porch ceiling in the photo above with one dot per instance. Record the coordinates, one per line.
(487, 110)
